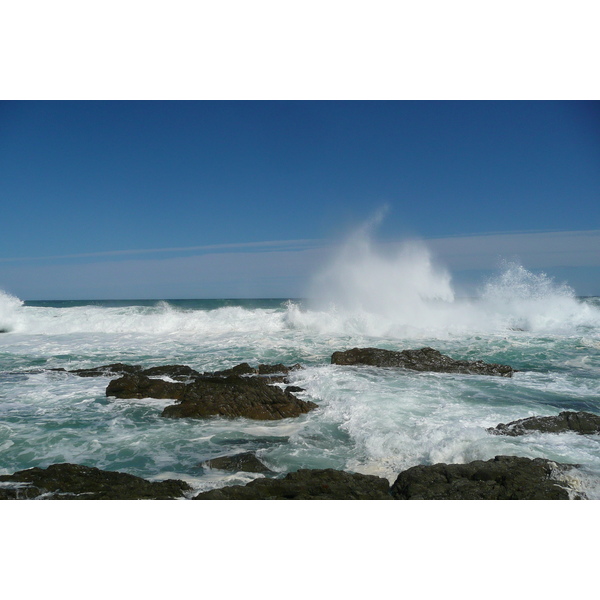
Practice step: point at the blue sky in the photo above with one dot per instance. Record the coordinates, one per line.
(185, 199)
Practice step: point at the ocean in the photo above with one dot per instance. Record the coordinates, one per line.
(369, 420)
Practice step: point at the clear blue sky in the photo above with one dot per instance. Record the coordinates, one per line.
(158, 199)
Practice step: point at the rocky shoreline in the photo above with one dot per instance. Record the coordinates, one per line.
(262, 393)
(500, 478)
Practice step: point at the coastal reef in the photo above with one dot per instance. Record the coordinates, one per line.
(501, 478)
(423, 359)
(578, 422)
(77, 482)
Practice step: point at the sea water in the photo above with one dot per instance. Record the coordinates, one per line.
(368, 420)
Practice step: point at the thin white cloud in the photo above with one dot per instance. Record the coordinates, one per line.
(533, 249)
(276, 245)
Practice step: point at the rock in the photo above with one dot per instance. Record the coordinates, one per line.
(113, 369)
(241, 369)
(177, 372)
(140, 386)
(245, 461)
(424, 359)
(307, 484)
(294, 388)
(78, 482)
(262, 369)
(579, 422)
(277, 369)
(235, 396)
(501, 478)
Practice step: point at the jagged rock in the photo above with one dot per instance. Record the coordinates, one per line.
(140, 386)
(113, 369)
(501, 478)
(241, 369)
(78, 482)
(277, 369)
(424, 359)
(579, 422)
(262, 369)
(177, 372)
(235, 396)
(307, 484)
(245, 461)
(294, 388)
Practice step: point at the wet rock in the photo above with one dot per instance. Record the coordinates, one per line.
(140, 386)
(294, 388)
(78, 482)
(423, 359)
(579, 422)
(241, 369)
(245, 461)
(177, 372)
(307, 484)
(262, 369)
(277, 369)
(113, 369)
(236, 396)
(501, 478)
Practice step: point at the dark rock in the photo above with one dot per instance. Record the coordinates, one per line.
(177, 372)
(241, 369)
(579, 422)
(307, 484)
(78, 482)
(294, 388)
(4, 330)
(262, 369)
(276, 369)
(140, 386)
(246, 462)
(424, 359)
(113, 369)
(235, 396)
(501, 478)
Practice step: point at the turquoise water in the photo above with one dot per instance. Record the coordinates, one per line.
(369, 420)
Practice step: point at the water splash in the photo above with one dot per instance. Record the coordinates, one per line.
(10, 311)
(398, 290)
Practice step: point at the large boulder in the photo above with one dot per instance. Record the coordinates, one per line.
(578, 422)
(501, 478)
(307, 484)
(236, 396)
(141, 386)
(78, 482)
(246, 461)
(423, 359)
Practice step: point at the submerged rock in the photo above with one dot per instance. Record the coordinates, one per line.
(272, 372)
(78, 482)
(501, 478)
(423, 359)
(235, 396)
(579, 422)
(245, 461)
(307, 484)
(141, 386)
(113, 369)
(177, 372)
